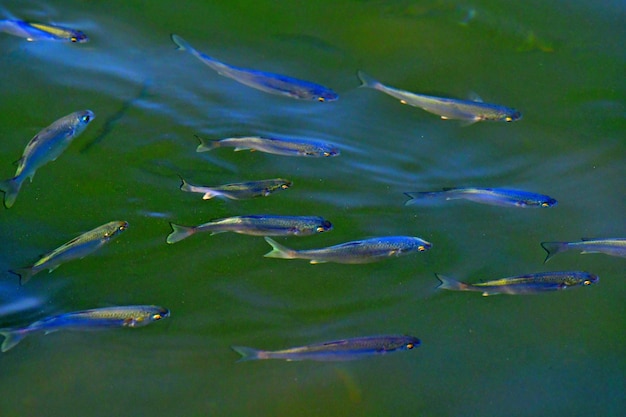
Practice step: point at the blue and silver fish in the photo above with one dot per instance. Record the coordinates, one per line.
(77, 248)
(523, 284)
(613, 247)
(447, 108)
(46, 146)
(256, 225)
(339, 350)
(356, 252)
(265, 81)
(99, 318)
(286, 147)
(492, 196)
(33, 31)
(238, 190)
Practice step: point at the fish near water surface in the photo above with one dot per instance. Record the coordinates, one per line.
(33, 31)
(355, 252)
(264, 81)
(339, 350)
(491, 196)
(285, 147)
(523, 284)
(447, 108)
(613, 247)
(77, 248)
(46, 146)
(95, 319)
(239, 190)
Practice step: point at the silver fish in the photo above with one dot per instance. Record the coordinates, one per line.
(256, 225)
(99, 318)
(33, 31)
(265, 81)
(77, 248)
(46, 146)
(339, 350)
(239, 190)
(447, 108)
(613, 247)
(492, 196)
(286, 147)
(356, 252)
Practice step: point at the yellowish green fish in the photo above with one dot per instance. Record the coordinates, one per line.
(264, 81)
(613, 247)
(95, 319)
(523, 284)
(238, 190)
(338, 350)
(447, 108)
(33, 31)
(285, 147)
(77, 248)
(46, 146)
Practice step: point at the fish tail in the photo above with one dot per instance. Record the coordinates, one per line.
(207, 145)
(418, 196)
(11, 338)
(179, 233)
(182, 44)
(25, 274)
(366, 80)
(247, 353)
(184, 185)
(448, 283)
(552, 248)
(278, 250)
(10, 188)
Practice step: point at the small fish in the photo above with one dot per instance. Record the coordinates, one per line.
(356, 252)
(33, 31)
(46, 146)
(79, 247)
(260, 225)
(492, 196)
(339, 350)
(99, 318)
(613, 247)
(286, 147)
(447, 108)
(239, 190)
(523, 284)
(260, 80)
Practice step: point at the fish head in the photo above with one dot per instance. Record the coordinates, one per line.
(512, 115)
(324, 226)
(76, 36)
(323, 94)
(549, 202)
(400, 343)
(329, 151)
(422, 245)
(585, 279)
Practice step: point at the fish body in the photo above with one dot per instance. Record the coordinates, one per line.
(355, 252)
(492, 196)
(264, 81)
(339, 350)
(33, 31)
(46, 146)
(613, 247)
(239, 190)
(99, 318)
(77, 248)
(256, 225)
(523, 284)
(447, 108)
(285, 147)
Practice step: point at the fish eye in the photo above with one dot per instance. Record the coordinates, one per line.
(157, 316)
(421, 248)
(508, 119)
(587, 282)
(284, 186)
(74, 39)
(410, 346)
(321, 99)
(545, 204)
(86, 118)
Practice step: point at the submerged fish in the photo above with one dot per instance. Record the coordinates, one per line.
(259, 225)
(339, 350)
(286, 147)
(447, 108)
(491, 196)
(99, 318)
(613, 247)
(356, 252)
(33, 31)
(239, 190)
(79, 247)
(260, 80)
(46, 146)
(523, 284)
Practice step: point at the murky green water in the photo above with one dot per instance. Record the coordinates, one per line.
(560, 63)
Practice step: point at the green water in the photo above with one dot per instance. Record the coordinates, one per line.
(560, 63)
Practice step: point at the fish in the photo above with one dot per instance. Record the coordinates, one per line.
(493, 196)
(339, 350)
(355, 252)
(285, 147)
(267, 82)
(467, 111)
(46, 146)
(94, 319)
(238, 190)
(613, 247)
(255, 225)
(523, 284)
(77, 248)
(34, 31)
